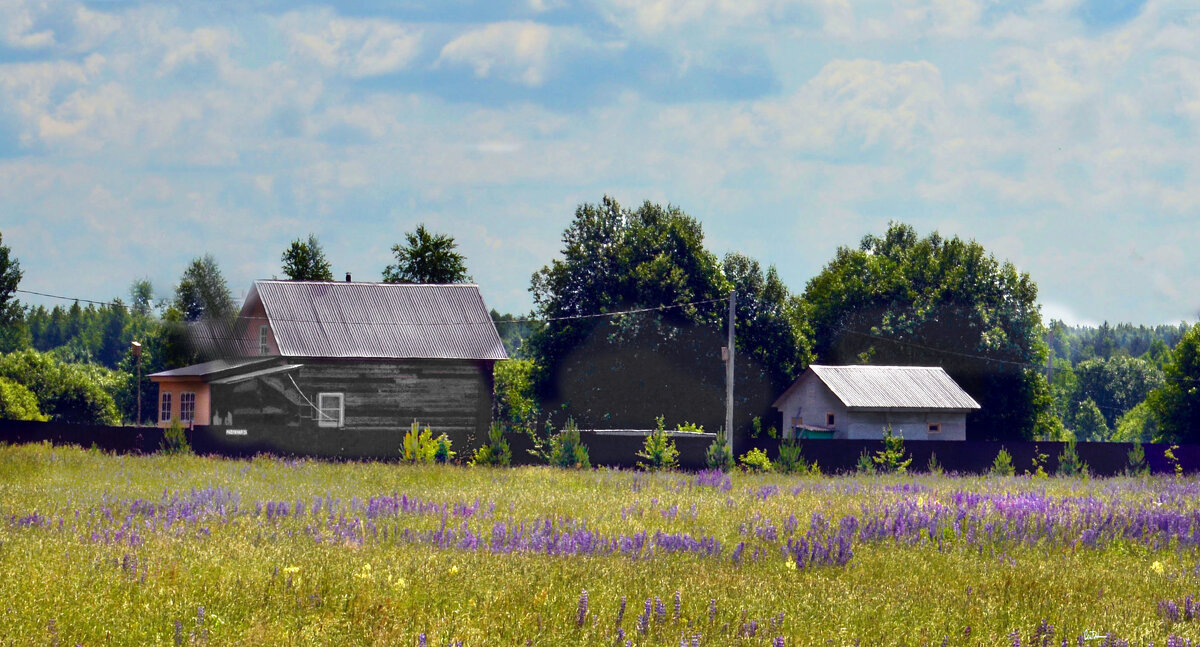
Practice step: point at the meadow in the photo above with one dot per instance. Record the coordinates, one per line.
(100, 549)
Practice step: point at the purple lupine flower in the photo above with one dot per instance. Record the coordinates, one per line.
(660, 610)
(778, 642)
(583, 608)
(712, 610)
(678, 605)
(621, 612)
(421, 640)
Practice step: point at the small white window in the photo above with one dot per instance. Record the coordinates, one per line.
(164, 407)
(935, 428)
(330, 412)
(264, 348)
(187, 406)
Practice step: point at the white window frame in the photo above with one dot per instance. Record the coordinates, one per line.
(264, 345)
(164, 406)
(322, 420)
(184, 396)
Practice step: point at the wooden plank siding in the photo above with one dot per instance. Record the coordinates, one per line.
(382, 398)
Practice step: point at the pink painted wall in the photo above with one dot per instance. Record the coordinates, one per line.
(175, 388)
(252, 319)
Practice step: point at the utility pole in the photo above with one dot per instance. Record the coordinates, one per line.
(729, 376)
(137, 352)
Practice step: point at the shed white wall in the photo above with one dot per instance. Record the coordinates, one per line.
(812, 400)
(913, 425)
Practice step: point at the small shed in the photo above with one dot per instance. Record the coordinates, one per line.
(859, 402)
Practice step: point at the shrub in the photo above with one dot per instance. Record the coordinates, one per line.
(65, 392)
(1069, 463)
(1137, 460)
(442, 452)
(175, 440)
(691, 428)
(891, 457)
(718, 456)
(865, 465)
(933, 466)
(755, 460)
(1173, 461)
(1039, 464)
(18, 402)
(566, 448)
(496, 452)
(419, 446)
(658, 452)
(1002, 465)
(790, 458)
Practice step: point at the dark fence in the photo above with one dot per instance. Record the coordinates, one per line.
(616, 448)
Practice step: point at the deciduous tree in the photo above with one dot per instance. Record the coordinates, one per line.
(427, 258)
(202, 291)
(1176, 404)
(304, 260)
(906, 300)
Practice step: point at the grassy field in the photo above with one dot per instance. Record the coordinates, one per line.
(98, 549)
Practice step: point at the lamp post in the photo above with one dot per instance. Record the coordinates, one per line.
(137, 352)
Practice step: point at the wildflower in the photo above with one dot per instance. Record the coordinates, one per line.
(291, 569)
(583, 608)
(1157, 567)
(791, 564)
(454, 569)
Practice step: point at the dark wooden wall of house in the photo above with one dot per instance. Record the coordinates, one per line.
(382, 400)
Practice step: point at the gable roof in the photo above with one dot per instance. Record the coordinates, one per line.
(377, 320)
(891, 387)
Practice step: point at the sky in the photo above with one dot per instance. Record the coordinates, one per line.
(1064, 136)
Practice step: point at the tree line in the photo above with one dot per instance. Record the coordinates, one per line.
(656, 347)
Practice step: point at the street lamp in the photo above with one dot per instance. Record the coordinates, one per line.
(137, 352)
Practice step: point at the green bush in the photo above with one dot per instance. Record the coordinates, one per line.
(658, 452)
(175, 442)
(1137, 460)
(496, 452)
(691, 428)
(442, 452)
(865, 465)
(1069, 463)
(790, 458)
(419, 447)
(755, 460)
(891, 457)
(77, 393)
(567, 449)
(18, 402)
(718, 456)
(1002, 465)
(933, 466)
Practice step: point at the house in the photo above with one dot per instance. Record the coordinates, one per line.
(344, 369)
(859, 402)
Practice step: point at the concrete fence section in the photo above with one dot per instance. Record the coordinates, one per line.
(613, 448)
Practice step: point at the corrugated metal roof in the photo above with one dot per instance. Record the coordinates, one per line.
(894, 387)
(378, 320)
(234, 379)
(211, 368)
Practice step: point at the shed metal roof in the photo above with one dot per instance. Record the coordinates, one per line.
(378, 320)
(207, 369)
(893, 387)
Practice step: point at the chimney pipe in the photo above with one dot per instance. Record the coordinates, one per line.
(347, 277)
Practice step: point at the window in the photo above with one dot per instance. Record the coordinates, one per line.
(164, 407)
(264, 348)
(829, 420)
(187, 406)
(935, 428)
(330, 409)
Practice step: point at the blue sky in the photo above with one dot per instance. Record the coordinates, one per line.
(1064, 136)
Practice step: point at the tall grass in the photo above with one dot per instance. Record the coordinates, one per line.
(99, 549)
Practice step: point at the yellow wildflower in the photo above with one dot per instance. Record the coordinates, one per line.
(791, 564)
(1157, 567)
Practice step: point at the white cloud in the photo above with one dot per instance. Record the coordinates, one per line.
(358, 47)
(520, 52)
